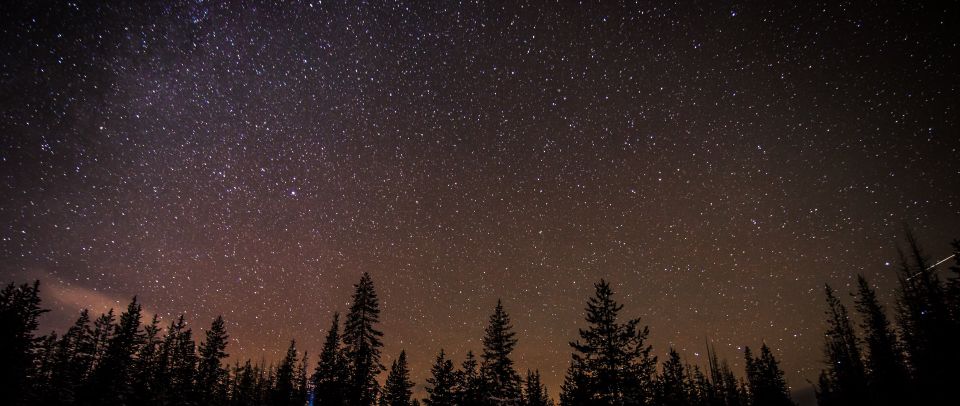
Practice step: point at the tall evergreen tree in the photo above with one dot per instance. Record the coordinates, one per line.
(887, 372)
(844, 364)
(175, 373)
(211, 374)
(576, 387)
(362, 342)
(398, 389)
(284, 391)
(329, 383)
(470, 383)
(501, 380)
(441, 389)
(926, 328)
(244, 390)
(19, 314)
(74, 354)
(766, 382)
(113, 377)
(535, 393)
(146, 368)
(672, 385)
(611, 358)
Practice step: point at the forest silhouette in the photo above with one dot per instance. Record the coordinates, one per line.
(874, 357)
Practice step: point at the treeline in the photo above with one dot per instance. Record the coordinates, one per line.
(115, 360)
(870, 361)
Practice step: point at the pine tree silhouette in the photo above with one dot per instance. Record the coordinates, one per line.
(146, 368)
(502, 383)
(19, 314)
(211, 375)
(441, 383)
(611, 363)
(111, 381)
(672, 385)
(398, 389)
(766, 383)
(362, 342)
(845, 369)
(926, 328)
(329, 383)
(470, 383)
(887, 371)
(535, 393)
(284, 391)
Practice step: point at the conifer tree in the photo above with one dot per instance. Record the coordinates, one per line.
(470, 384)
(611, 358)
(147, 365)
(284, 391)
(74, 354)
(244, 390)
(175, 374)
(925, 324)
(887, 372)
(362, 342)
(576, 387)
(329, 383)
(671, 387)
(398, 389)
(845, 369)
(19, 314)
(211, 375)
(441, 384)
(501, 380)
(45, 362)
(535, 393)
(766, 383)
(112, 378)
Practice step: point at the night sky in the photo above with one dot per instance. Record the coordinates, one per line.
(717, 162)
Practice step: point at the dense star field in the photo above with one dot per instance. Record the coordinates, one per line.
(718, 163)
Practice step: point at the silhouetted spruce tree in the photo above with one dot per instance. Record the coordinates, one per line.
(19, 314)
(303, 388)
(45, 359)
(175, 378)
(103, 329)
(848, 381)
(111, 381)
(671, 385)
(576, 386)
(470, 385)
(398, 389)
(611, 359)
(362, 342)
(146, 367)
(284, 391)
(535, 393)
(72, 361)
(441, 385)
(501, 380)
(925, 326)
(244, 389)
(211, 375)
(699, 389)
(953, 286)
(766, 383)
(887, 375)
(329, 383)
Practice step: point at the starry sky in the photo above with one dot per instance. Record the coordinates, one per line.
(717, 161)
